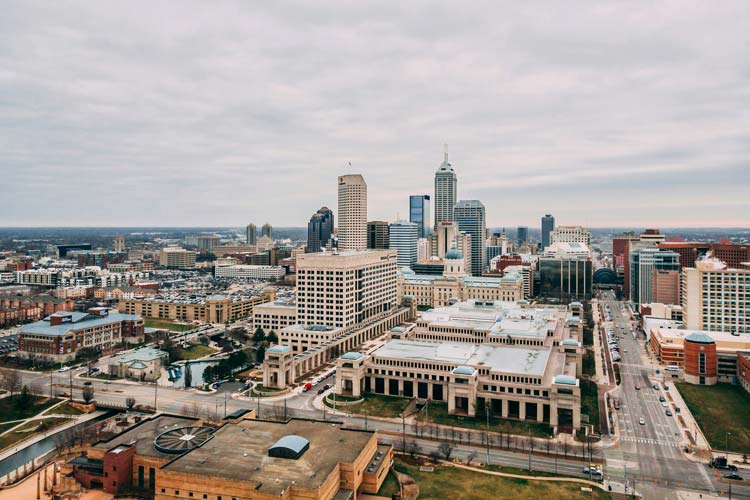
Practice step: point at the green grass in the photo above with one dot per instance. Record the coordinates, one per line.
(389, 486)
(590, 402)
(456, 484)
(9, 411)
(376, 405)
(30, 429)
(719, 409)
(343, 398)
(5, 427)
(194, 352)
(438, 413)
(166, 325)
(64, 409)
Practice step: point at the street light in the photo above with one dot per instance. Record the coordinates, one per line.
(726, 444)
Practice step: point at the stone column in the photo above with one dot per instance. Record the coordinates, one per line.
(522, 410)
(504, 407)
(540, 412)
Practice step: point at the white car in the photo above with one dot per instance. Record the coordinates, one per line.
(665, 404)
(64, 369)
(642, 421)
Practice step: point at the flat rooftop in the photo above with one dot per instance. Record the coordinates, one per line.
(143, 434)
(240, 452)
(79, 321)
(505, 359)
(723, 339)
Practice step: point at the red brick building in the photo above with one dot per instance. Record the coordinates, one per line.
(700, 359)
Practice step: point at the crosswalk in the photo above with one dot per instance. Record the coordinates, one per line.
(658, 442)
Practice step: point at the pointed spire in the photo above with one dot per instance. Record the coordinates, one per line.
(445, 151)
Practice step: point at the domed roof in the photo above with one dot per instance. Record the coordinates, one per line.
(454, 254)
(699, 338)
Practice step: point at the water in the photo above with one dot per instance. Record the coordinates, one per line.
(196, 371)
(39, 448)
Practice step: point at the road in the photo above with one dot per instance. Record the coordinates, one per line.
(650, 453)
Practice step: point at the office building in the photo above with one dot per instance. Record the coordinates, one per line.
(522, 235)
(176, 258)
(273, 316)
(339, 290)
(377, 235)
(548, 225)
(319, 230)
(715, 297)
(689, 252)
(251, 234)
(565, 278)
(119, 243)
(665, 286)
(570, 234)
(734, 256)
(352, 228)
(267, 230)
(250, 272)
(650, 238)
(642, 263)
(470, 217)
(58, 337)
(419, 213)
(446, 192)
(424, 250)
(207, 242)
(446, 236)
(403, 237)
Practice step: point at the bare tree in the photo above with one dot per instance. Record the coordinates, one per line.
(413, 449)
(87, 394)
(129, 402)
(11, 381)
(435, 456)
(446, 449)
(471, 457)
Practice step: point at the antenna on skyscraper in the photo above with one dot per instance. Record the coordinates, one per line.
(445, 151)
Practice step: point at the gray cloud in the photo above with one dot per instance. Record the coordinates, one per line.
(197, 113)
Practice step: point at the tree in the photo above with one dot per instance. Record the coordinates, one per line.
(87, 394)
(413, 449)
(203, 340)
(129, 402)
(24, 398)
(471, 457)
(188, 375)
(446, 449)
(435, 456)
(260, 353)
(208, 374)
(259, 336)
(272, 338)
(87, 353)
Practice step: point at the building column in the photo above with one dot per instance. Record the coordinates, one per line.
(522, 410)
(553, 414)
(504, 407)
(540, 412)
(400, 387)
(576, 417)
(429, 390)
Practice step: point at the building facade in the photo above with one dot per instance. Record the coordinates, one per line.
(446, 192)
(548, 225)
(319, 230)
(570, 234)
(249, 272)
(352, 228)
(377, 235)
(715, 297)
(470, 217)
(642, 263)
(251, 234)
(176, 258)
(403, 237)
(565, 278)
(420, 213)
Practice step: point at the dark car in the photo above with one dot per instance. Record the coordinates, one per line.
(722, 464)
(88, 382)
(733, 477)
(321, 390)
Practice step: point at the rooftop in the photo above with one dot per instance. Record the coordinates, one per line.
(142, 435)
(239, 452)
(79, 321)
(142, 354)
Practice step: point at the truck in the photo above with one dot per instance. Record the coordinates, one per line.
(721, 463)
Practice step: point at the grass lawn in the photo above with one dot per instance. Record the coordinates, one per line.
(590, 402)
(64, 409)
(719, 409)
(194, 352)
(5, 427)
(389, 486)
(9, 411)
(166, 325)
(438, 413)
(376, 405)
(456, 484)
(30, 429)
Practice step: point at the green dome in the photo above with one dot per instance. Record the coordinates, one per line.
(454, 254)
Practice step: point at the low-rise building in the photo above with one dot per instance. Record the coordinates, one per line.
(273, 316)
(242, 271)
(177, 258)
(141, 364)
(59, 336)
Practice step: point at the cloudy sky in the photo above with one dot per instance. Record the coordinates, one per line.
(221, 113)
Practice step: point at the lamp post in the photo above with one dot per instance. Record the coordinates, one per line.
(726, 444)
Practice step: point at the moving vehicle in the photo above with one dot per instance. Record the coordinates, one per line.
(721, 464)
(668, 413)
(307, 387)
(672, 368)
(662, 399)
(642, 421)
(656, 387)
(637, 387)
(64, 369)
(593, 470)
(87, 383)
(734, 477)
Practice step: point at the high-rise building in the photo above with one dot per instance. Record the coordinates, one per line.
(340, 290)
(665, 286)
(715, 298)
(642, 263)
(352, 231)
(419, 213)
(570, 234)
(548, 225)
(377, 235)
(251, 234)
(319, 230)
(689, 252)
(522, 235)
(650, 238)
(565, 278)
(267, 230)
(119, 243)
(443, 238)
(470, 217)
(403, 237)
(446, 192)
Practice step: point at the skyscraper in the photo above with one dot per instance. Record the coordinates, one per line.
(377, 235)
(470, 216)
(119, 243)
(403, 237)
(642, 264)
(419, 213)
(251, 234)
(446, 191)
(352, 233)
(548, 225)
(267, 230)
(522, 235)
(319, 230)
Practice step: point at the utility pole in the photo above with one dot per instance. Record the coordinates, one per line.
(156, 391)
(70, 372)
(487, 438)
(365, 416)
(529, 450)
(51, 386)
(258, 413)
(403, 431)
(726, 445)
(285, 417)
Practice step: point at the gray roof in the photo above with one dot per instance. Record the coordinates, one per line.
(700, 338)
(80, 321)
(143, 354)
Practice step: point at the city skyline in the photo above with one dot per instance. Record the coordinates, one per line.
(234, 108)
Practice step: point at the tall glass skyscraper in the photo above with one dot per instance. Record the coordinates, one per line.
(548, 225)
(470, 216)
(446, 191)
(403, 238)
(319, 230)
(522, 235)
(419, 213)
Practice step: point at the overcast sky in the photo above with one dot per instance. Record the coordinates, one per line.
(220, 113)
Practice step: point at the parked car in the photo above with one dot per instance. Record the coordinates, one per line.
(668, 413)
(642, 421)
(307, 387)
(88, 382)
